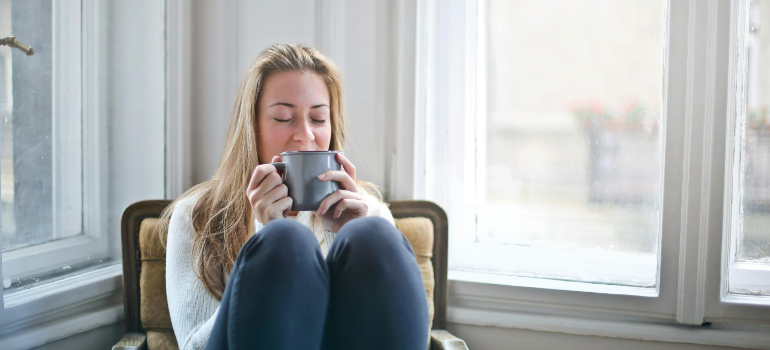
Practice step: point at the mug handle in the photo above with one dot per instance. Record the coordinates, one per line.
(281, 166)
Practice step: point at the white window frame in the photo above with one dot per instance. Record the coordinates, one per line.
(77, 236)
(72, 40)
(539, 261)
(696, 110)
(33, 316)
(738, 275)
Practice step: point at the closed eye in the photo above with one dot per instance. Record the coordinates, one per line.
(282, 120)
(319, 121)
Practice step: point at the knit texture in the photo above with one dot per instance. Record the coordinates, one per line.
(193, 310)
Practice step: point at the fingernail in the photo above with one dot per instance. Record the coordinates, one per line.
(336, 215)
(322, 176)
(320, 211)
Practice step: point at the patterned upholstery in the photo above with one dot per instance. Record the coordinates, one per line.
(153, 305)
(419, 232)
(152, 281)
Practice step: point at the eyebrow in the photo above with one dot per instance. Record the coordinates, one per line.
(293, 106)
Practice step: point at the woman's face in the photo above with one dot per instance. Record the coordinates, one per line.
(293, 114)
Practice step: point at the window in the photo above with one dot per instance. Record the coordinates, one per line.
(579, 151)
(570, 148)
(748, 213)
(82, 136)
(41, 166)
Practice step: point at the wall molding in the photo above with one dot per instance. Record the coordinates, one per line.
(735, 336)
(178, 80)
(400, 156)
(330, 30)
(62, 308)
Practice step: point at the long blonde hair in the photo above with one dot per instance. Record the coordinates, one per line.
(223, 217)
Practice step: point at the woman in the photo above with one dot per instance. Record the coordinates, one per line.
(245, 272)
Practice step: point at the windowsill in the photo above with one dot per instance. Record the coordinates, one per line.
(608, 272)
(528, 282)
(26, 261)
(476, 301)
(56, 310)
(751, 280)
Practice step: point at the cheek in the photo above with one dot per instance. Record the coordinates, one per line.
(324, 137)
(271, 142)
(274, 137)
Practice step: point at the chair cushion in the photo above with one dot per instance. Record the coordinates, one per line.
(419, 233)
(153, 303)
(161, 340)
(149, 241)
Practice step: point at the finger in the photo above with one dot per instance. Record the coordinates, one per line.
(355, 206)
(277, 193)
(342, 177)
(335, 197)
(270, 182)
(341, 206)
(273, 207)
(260, 172)
(277, 159)
(349, 167)
(277, 209)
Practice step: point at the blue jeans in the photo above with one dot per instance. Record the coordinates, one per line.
(282, 294)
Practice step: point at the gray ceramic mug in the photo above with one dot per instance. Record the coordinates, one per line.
(300, 174)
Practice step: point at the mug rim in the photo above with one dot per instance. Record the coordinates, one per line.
(308, 152)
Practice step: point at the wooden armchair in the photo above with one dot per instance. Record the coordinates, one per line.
(148, 324)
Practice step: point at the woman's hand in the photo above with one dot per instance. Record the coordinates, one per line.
(348, 202)
(268, 196)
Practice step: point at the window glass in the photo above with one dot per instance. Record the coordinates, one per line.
(573, 131)
(26, 128)
(754, 221)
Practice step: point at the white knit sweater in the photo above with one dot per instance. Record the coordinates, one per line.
(193, 310)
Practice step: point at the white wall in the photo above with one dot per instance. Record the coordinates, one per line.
(227, 35)
(214, 81)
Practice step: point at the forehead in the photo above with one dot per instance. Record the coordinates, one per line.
(294, 87)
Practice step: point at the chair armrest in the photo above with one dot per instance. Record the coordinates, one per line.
(443, 340)
(132, 341)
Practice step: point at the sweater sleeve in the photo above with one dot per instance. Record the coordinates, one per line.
(193, 310)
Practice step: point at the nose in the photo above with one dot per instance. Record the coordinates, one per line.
(304, 134)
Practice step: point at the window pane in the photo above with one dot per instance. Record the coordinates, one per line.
(84, 136)
(27, 127)
(754, 221)
(573, 136)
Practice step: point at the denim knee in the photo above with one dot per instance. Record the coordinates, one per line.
(373, 235)
(285, 236)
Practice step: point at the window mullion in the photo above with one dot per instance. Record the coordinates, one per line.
(697, 164)
(66, 120)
